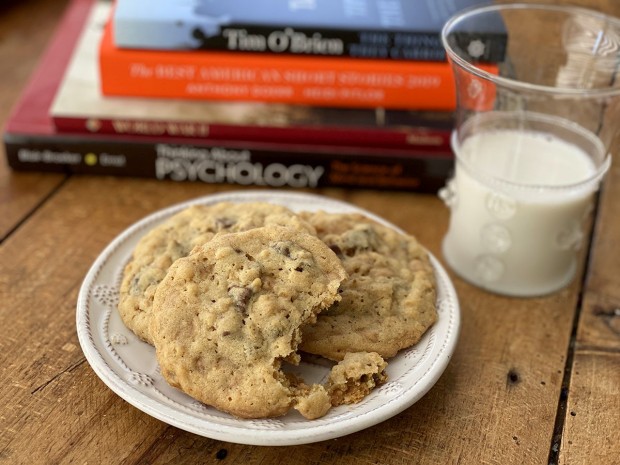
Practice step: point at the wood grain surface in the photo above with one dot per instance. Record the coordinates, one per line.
(533, 381)
(25, 28)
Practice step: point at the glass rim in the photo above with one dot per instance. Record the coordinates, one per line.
(513, 83)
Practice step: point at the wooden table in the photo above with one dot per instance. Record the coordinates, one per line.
(533, 381)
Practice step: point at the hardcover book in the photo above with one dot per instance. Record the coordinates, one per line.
(80, 107)
(386, 29)
(33, 143)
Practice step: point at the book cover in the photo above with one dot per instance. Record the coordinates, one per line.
(386, 29)
(32, 143)
(79, 107)
(317, 81)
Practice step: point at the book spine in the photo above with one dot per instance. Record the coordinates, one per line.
(269, 165)
(297, 80)
(46, 77)
(395, 45)
(419, 137)
(374, 44)
(321, 42)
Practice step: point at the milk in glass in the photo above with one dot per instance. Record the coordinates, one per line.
(518, 201)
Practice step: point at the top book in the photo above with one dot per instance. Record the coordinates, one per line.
(385, 29)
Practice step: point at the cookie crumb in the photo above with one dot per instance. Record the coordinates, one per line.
(314, 403)
(355, 377)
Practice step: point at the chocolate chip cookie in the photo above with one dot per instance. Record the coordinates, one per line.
(175, 238)
(226, 316)
(387, 301)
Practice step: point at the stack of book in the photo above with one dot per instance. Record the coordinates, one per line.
(292, 93)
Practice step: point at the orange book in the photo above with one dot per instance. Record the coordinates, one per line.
(320, 81)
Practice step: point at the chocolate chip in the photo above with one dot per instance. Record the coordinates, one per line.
(282, 248)
(221, 454)
(351, 251)
(224, 223)
(241, 297)
(337, 250)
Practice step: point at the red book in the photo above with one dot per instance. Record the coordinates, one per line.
(39, 93)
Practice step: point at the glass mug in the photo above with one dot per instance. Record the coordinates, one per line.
(532, 141)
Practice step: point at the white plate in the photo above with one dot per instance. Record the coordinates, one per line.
(129, 367)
